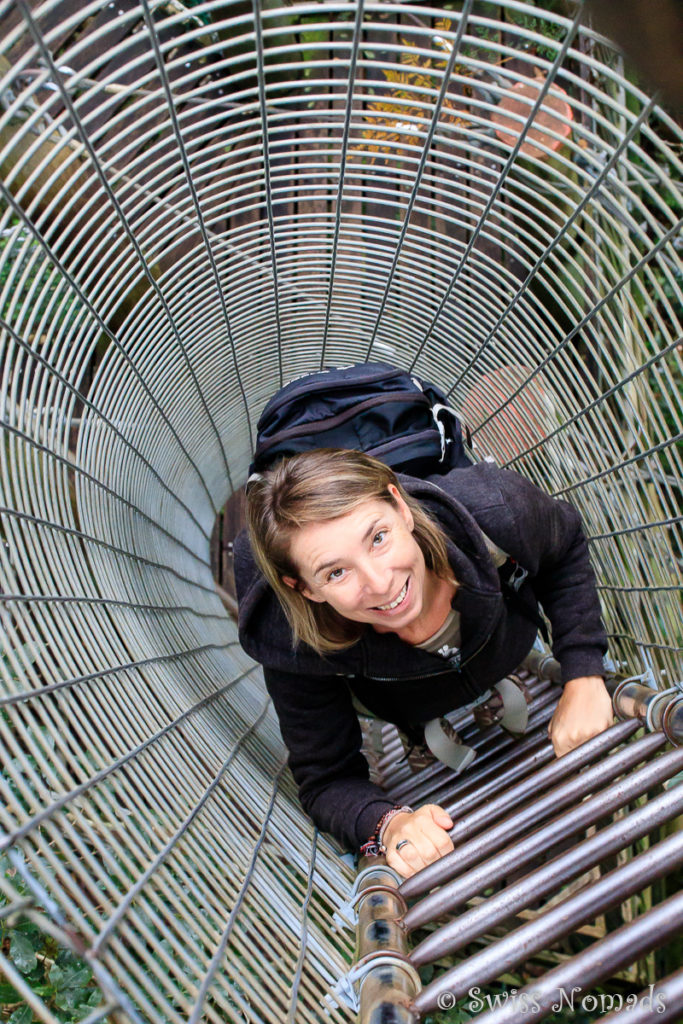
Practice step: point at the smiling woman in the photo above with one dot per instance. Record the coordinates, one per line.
(354, 582)
(304, 516)
(368, 567)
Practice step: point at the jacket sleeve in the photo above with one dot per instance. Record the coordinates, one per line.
(545, 535)
(321, 732)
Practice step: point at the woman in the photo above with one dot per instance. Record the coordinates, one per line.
(347, 581)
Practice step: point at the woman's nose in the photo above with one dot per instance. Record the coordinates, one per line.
(375, 578)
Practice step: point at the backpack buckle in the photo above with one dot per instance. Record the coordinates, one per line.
(517, 576)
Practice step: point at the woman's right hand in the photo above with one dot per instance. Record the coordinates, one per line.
(422, 836)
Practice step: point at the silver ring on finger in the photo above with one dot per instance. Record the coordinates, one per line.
(403, 842)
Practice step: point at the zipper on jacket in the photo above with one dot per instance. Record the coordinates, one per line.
(403, 679)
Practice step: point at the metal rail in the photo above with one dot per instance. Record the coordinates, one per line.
(578, 814)
(196, 204)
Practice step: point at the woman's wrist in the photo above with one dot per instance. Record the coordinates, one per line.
(386, 819)
(374, 845)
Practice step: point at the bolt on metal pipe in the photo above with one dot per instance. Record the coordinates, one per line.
(543, 666)
(672, 721)
(634, 700)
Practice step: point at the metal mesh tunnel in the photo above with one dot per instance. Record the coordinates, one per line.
(199, 202)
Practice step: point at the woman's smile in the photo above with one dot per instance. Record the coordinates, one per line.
(393, 606)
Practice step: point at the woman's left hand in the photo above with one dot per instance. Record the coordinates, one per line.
(583, 711)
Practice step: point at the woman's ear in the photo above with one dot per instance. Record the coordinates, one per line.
(402, 507)
(301, 588)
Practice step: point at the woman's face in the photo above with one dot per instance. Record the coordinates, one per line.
(366, 564)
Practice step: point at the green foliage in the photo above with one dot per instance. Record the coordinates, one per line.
(22, 1015)
(60, 979)
(63, 981)
(40, 280)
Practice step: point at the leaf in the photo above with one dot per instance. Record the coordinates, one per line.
(66, 1000)
(22, 953)
(71, 984)
(78, 977)
(45, 992)
(65, 958)
(56, 975)
(83, 1010)
(75, 976)
(8, 994)
(32, 932)
(22, 1015)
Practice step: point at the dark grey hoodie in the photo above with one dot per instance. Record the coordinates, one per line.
(410, 686)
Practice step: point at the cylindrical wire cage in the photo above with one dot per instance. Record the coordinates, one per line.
(201, 201)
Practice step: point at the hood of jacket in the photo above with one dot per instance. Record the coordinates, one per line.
(266, 636)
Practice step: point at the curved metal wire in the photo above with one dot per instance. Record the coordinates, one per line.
(200, 201)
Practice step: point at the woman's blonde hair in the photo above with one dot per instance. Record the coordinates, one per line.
(314, 487)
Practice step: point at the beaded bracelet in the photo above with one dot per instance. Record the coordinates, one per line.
(374, 846)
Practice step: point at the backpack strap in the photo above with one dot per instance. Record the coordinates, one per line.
(512, 576)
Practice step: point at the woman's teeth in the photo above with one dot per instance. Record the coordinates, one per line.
(394, 604)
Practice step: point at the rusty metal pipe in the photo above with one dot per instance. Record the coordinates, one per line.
(536, 685)
(543, 666)
(393, 750)
(510, 752)
(530, 759)
(672, 721)
(495, 734)
(514, 858)
(387, 981)
(562, 919)
(489, 743)
(385, 996)
(495, 740)
(544, 880)
(538, 753)
(531, 816)
(487, 765)
(667, 994)
(542, 698)
(567, 984)
(634, 700)
(544, 777)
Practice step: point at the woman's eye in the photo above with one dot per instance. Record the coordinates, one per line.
(336, 574)
(379, 537)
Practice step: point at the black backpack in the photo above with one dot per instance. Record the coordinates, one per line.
(378, 409)
(371, 407)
